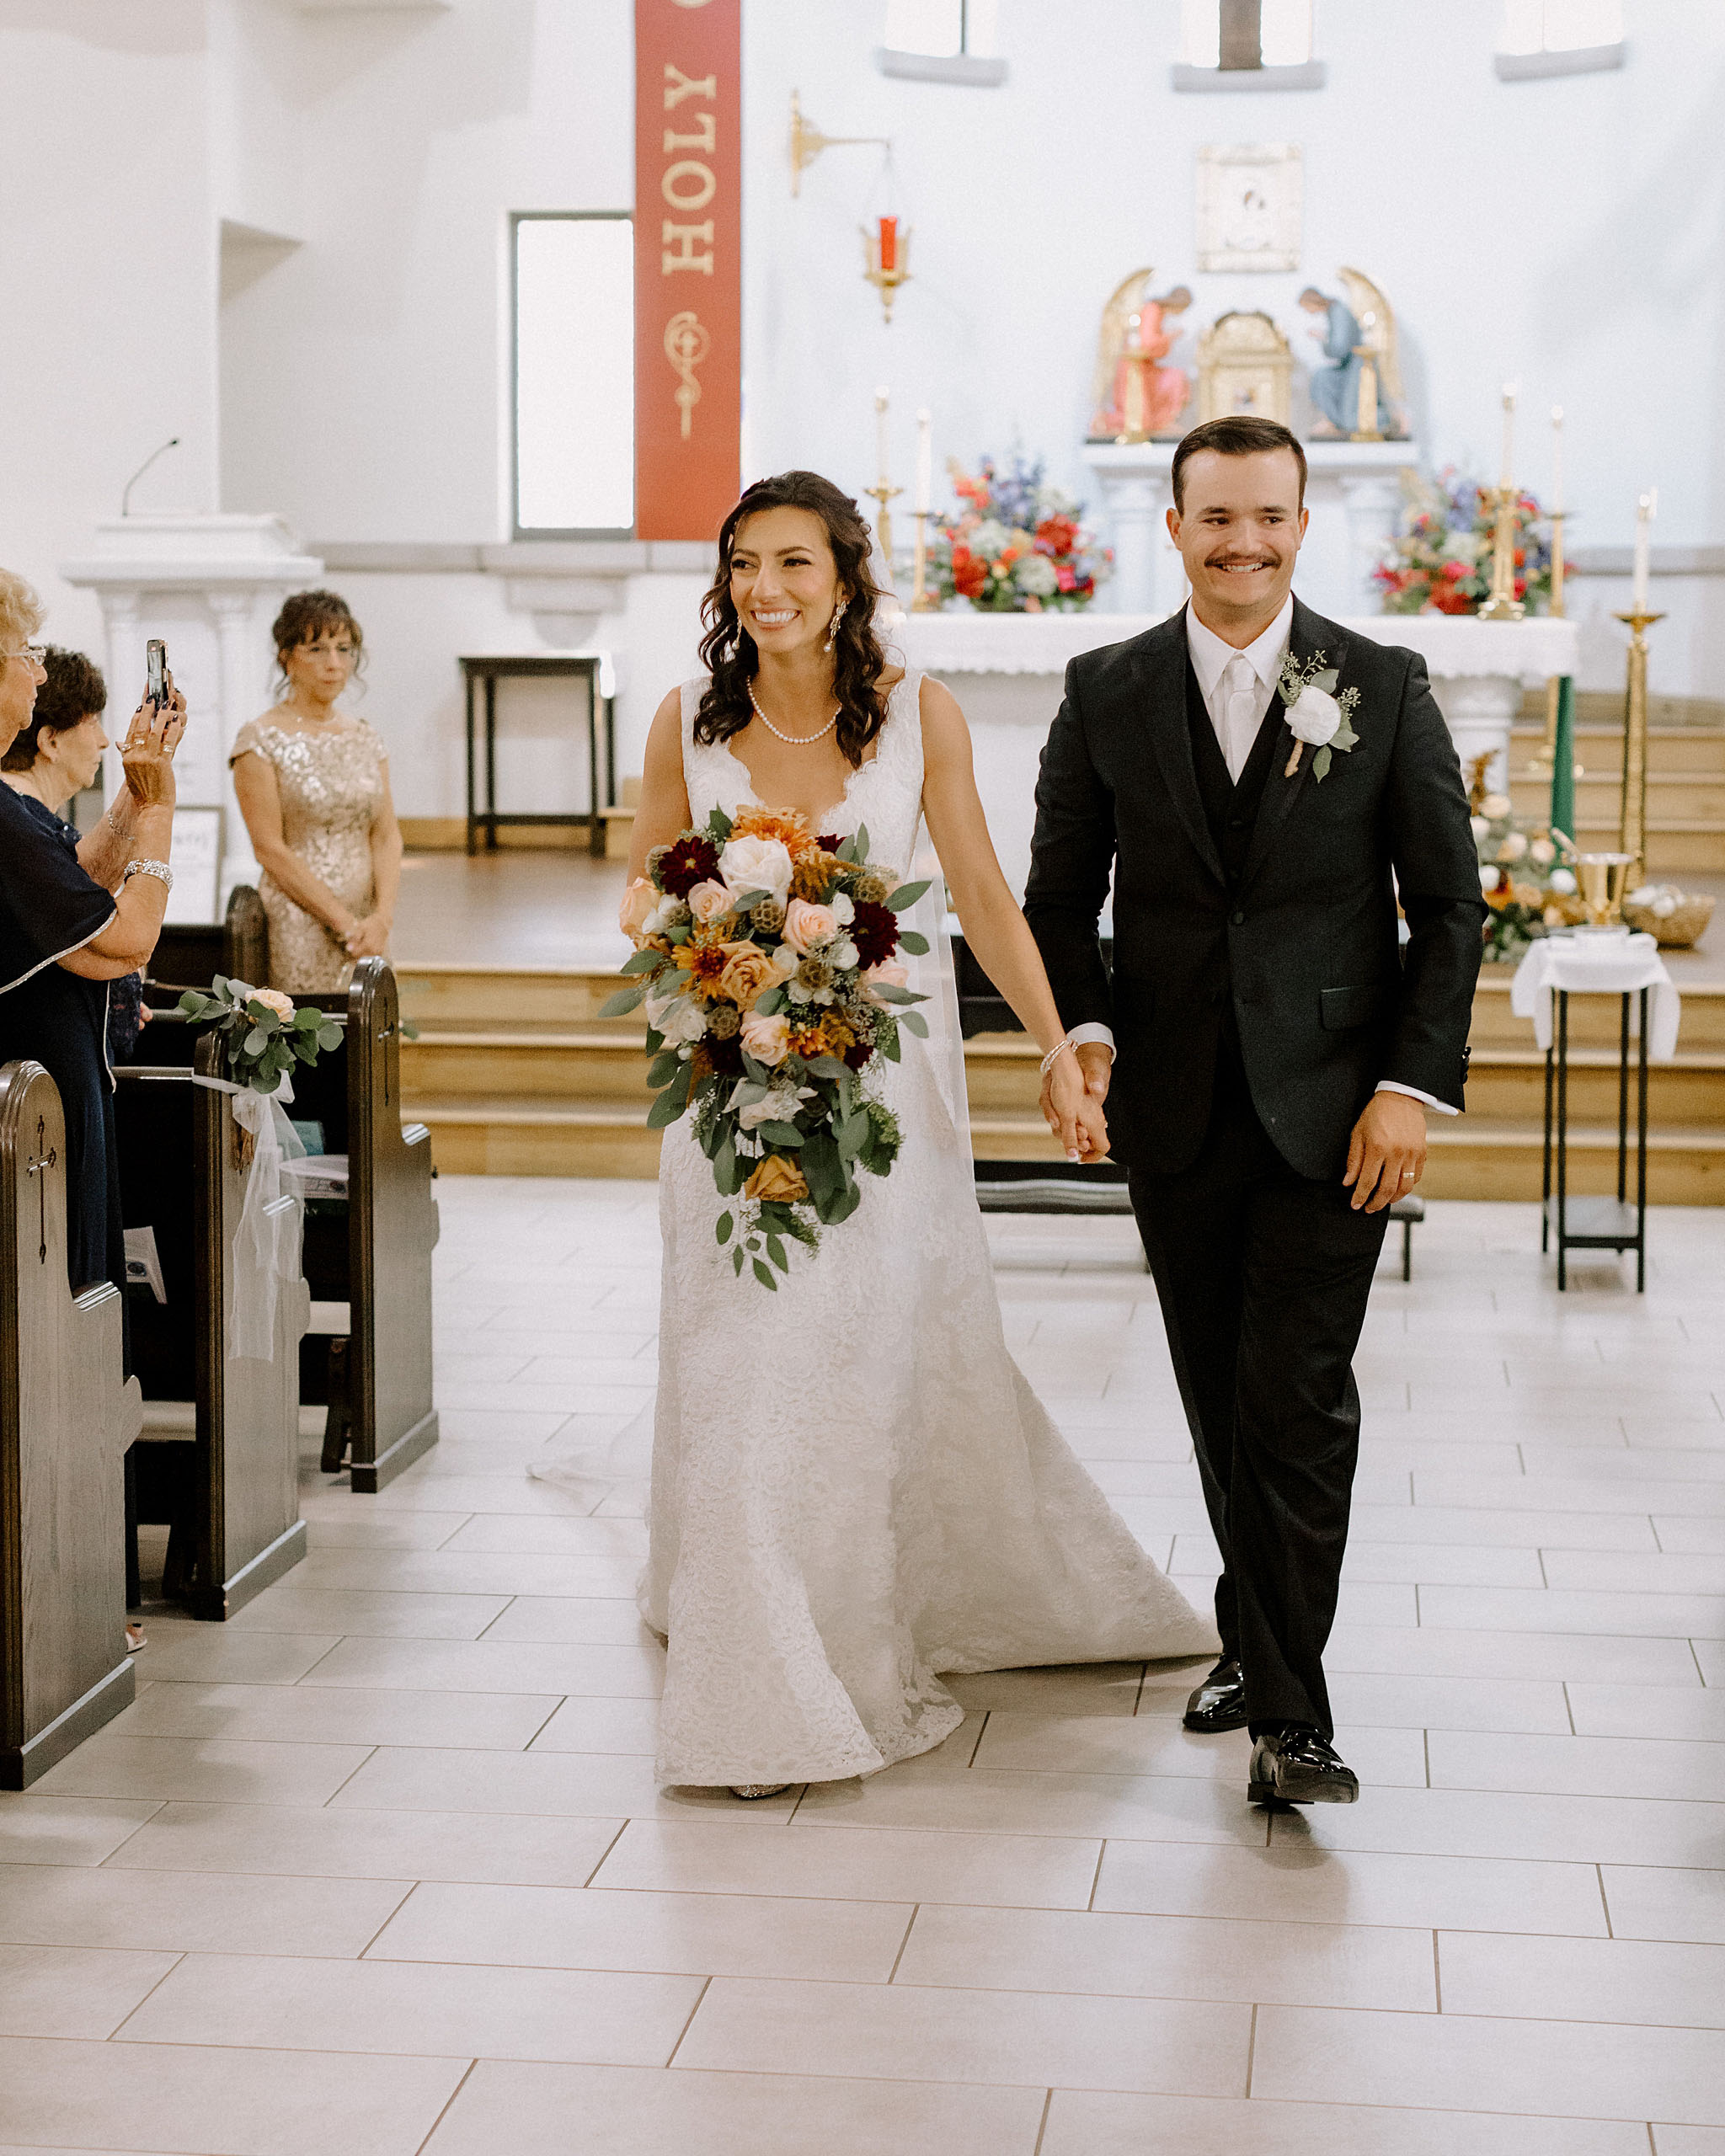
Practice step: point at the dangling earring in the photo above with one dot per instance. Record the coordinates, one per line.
(832, 626)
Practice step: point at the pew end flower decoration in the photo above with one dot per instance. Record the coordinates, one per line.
(263, 1033)
(767, 959)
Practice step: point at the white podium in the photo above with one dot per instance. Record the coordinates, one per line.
(210, 586)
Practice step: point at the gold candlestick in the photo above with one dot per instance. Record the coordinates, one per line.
(1545, 762)
(922, 599)
(1504, 605)
(1632, 831)
(883, 493)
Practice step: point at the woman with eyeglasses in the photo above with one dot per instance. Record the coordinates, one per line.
(75, 913)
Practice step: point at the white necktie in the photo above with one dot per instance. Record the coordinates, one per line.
(1238, 718)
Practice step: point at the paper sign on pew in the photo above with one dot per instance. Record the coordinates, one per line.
(321, 1175)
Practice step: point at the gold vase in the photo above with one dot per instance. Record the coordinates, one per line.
(1603, 878)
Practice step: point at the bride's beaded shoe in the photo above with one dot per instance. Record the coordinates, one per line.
(750, 1791)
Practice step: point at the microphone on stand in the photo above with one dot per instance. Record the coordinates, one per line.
(172, 442)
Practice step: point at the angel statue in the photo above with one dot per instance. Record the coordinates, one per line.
(1357, 333)
(1133, 397)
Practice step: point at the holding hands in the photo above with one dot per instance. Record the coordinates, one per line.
(1074, 1086)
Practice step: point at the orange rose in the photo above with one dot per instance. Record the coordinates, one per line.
(776, 1181)
(748, 974)
(789, 827)
(638, 902)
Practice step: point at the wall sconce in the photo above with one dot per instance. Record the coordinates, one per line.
(807, 143)
(886, 259)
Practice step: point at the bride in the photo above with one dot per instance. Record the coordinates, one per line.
(853, 1488)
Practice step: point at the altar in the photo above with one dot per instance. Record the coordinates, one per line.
(1007, 670)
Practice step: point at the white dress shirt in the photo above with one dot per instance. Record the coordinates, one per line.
(1236, 687)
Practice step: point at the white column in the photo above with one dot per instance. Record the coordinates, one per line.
(233, 611)
(1135, 502)
(1373, 503)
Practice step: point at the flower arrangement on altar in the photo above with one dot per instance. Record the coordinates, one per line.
(1525, 880)
(1442, 562)
(767, 958)
(1015, 545)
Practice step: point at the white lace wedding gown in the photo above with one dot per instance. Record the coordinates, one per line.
(853, 1487)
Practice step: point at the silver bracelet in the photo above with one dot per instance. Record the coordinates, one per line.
(1059, 1047)
(158, 869)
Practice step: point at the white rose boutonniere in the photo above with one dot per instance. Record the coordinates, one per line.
(1317, 713)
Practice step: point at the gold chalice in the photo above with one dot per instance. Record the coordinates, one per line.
(1602, 877)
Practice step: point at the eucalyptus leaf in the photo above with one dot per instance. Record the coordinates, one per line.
(775, 1251)
(861, 843)
(914, 1021)
(772, 1000)
(885, 992)
(663, 1068)
(737, 1260)
(1321, 764)
(783, 1133)
(328, 1037)
(665, 1110)
(625, 1000)
(727, 1173)
(256, 1040)
(645, 961)
(763, 1275)
(890, 1047)
(1326, 681)
(718, 825)
(725, 1226)
(906, 895)
(913, 941)
(745, 901)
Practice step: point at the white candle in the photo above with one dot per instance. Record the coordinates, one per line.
(925, 462)
(880, 412)
(1556, 460)
(1645, 511)
(1508, 477)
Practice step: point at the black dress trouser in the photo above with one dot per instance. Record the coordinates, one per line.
(1263, 1276)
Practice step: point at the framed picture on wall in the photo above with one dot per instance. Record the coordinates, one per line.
(195, 899)
(1249, 206)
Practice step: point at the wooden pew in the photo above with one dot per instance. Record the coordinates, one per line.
(368, 1261)
(220, 1455)
(66, 1416)
(376, 1260)
(190, 956)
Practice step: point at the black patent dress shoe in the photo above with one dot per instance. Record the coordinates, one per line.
(1218, 1703)
(1299, 1767)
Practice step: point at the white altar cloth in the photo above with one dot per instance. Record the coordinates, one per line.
(1597, 965)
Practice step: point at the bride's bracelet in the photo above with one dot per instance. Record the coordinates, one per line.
(1059, 1048)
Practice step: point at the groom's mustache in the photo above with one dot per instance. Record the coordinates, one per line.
(1241, 562)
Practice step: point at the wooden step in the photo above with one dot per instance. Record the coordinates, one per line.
(553, 1064)
(1594, 1020)
(1476, 1160)
(477, 1136)
(1675, 801)
(1672, 751)
(504, 998)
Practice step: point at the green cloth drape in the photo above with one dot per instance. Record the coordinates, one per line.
(1563, 760)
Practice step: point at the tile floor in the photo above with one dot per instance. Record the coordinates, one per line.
(379, 1867)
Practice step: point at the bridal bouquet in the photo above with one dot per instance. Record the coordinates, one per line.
(766, 960)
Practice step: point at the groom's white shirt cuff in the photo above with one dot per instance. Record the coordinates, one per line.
(1103, 1036)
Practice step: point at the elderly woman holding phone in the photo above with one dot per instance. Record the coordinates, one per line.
(75, 913)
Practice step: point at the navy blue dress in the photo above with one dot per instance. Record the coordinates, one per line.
(48, 907)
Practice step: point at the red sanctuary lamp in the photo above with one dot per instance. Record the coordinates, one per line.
(886, 254)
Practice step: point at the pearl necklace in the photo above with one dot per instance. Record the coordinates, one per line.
(797, 740)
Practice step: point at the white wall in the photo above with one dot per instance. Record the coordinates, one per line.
(108, 253)
(1563, 232)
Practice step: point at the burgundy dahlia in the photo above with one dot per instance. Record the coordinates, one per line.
(689, 862)
(875, 932)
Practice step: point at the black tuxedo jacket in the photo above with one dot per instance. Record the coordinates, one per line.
(1301, 940)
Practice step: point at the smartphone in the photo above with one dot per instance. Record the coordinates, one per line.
(157, 680)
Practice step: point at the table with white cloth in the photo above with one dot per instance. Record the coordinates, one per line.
(1597, 962)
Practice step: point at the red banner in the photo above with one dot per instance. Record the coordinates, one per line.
(688, 265)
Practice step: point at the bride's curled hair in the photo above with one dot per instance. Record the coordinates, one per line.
(728, 651)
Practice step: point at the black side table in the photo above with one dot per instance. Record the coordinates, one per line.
(490, 668)
(1596, 1223)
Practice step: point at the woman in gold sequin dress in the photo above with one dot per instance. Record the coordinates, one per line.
(313, 786)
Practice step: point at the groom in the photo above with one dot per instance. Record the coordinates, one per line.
(1277, 1052)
